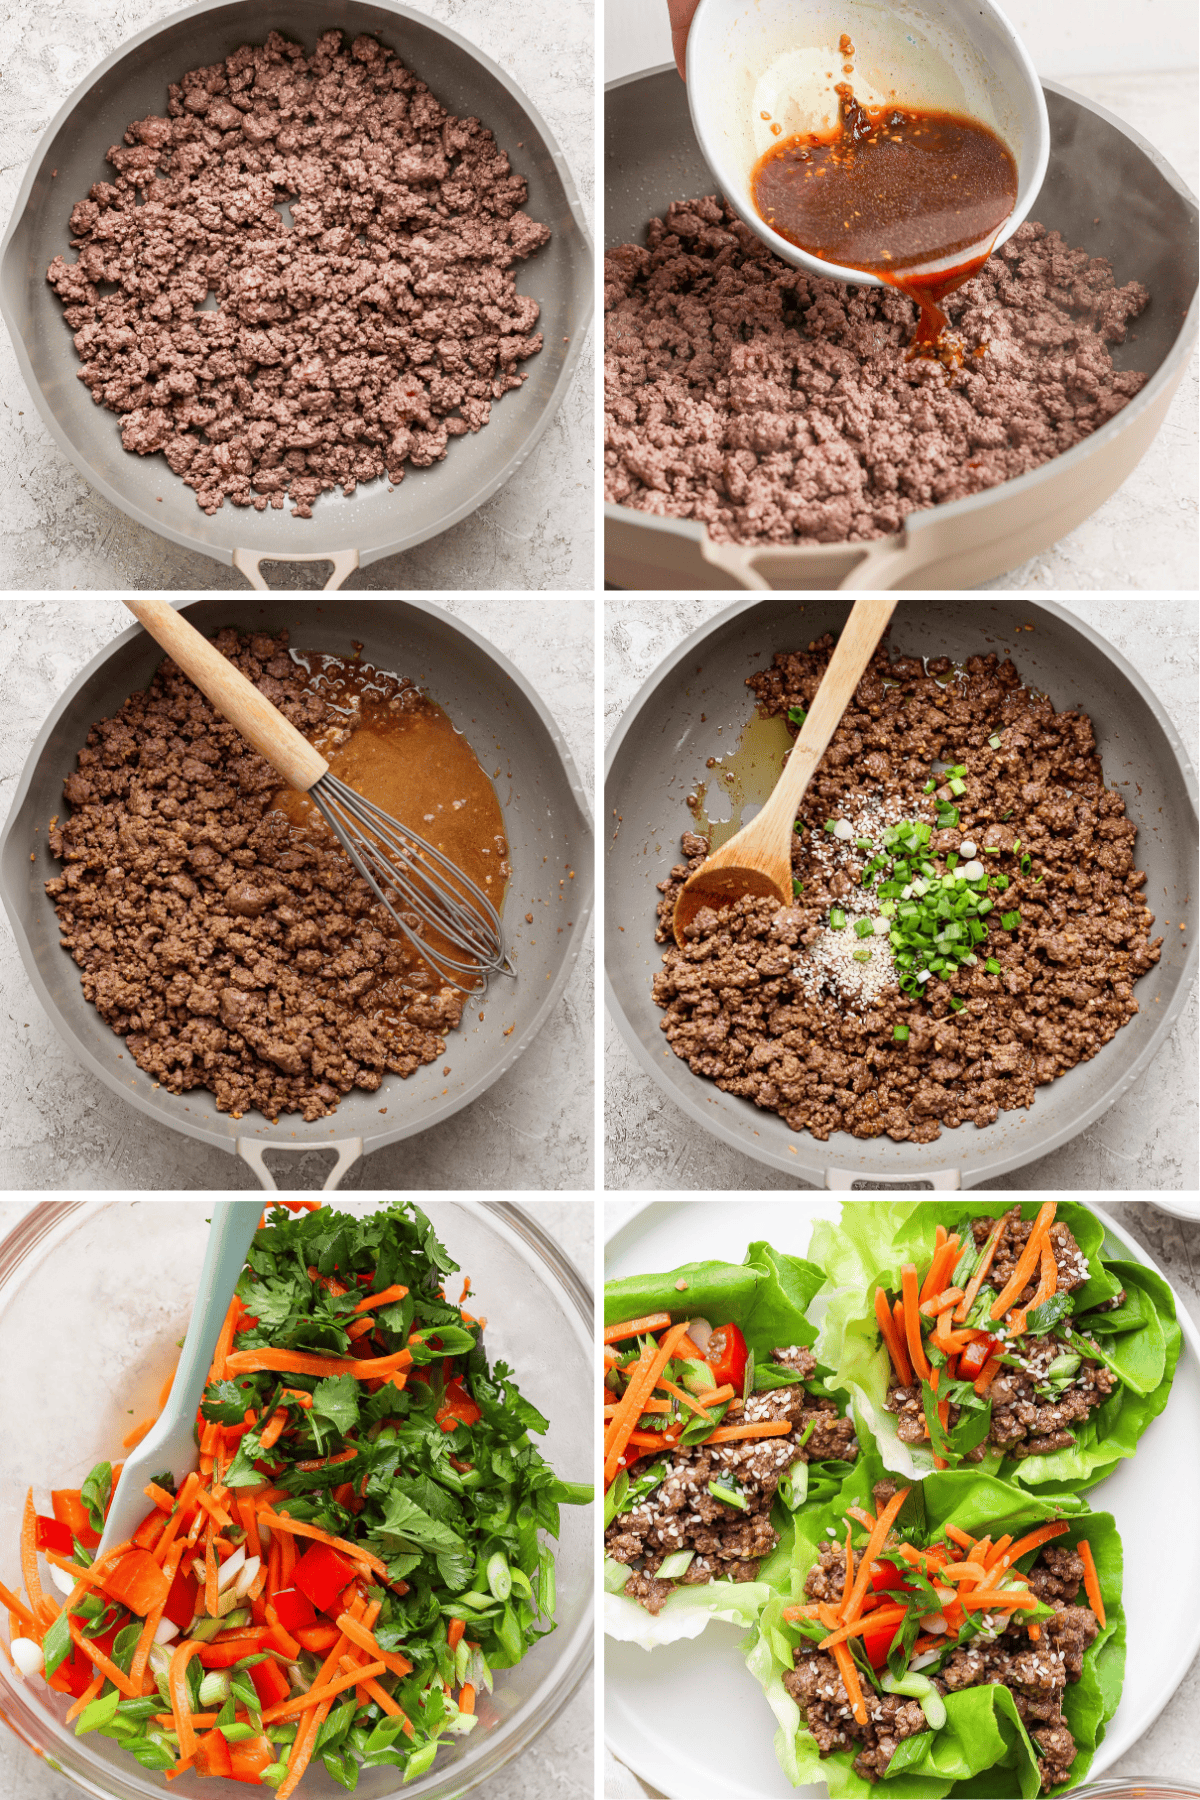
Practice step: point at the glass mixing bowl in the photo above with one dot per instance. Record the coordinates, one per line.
(94, 1298)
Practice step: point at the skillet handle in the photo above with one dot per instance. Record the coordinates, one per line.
(349, 1150)
(845, 1180)
(246, 562)
(886, 560)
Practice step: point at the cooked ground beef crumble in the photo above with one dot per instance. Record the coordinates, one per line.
(1035, 1673)
(748, 1003)
(778, 408)
(229, 950)
(681, 1514)
(350, 343)
(1024, 1422)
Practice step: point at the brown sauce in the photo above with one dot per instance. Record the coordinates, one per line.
(888, 192)
(395, 746)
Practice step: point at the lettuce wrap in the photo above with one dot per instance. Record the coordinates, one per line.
(1138, 1341)
(983, 1748)
(766, 1297)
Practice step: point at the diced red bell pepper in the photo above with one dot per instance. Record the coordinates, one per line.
(232, 1650)
(457, 1407)
(270, 1683)
(53, 1535)
(73, 1675)
(876, 1640)
(181, 1601)
(887, 1576)
(212, 1755)
(136, 1581)
(293, 1608)
(248, 1760)
(322, 1573)
(726, 1354)
(317, 1638)
(69, 1510)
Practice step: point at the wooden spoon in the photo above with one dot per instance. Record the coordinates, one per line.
(757, 861)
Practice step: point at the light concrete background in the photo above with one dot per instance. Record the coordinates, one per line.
(537, 532)
(1138, 61)
(557, 1766)
(1168, 1751)
(59, 1127)
(1147, 1140)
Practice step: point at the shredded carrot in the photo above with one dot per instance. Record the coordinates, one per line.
(187, 1494)
(213, 1507)
(987, 1375)
(360, 1635)
(301, 1528)
(141, 1654)
(134, 1437)
(454, 1632)
(466, 1698)
(1091, 1581)
(1027, 1262)
(998, 1600)
(893, 1339)
(220, 1361)
(846, 1669)
(685, 1399)
(384, 1700)
(912, 1321)
(636, 1327)
(296, 1362)
(714, 1396)
(981, 1268)
(1035, 1632)
(91, 1692)
(17, 1607)
(848, 1583)
(329, 1691)
(180, 1697)
(274, 1429)
(244, 1504)
(890, 1615)
(852, 1604)
(1033, 1540)
(99, 1661)
(728, 1434)
(165, 1502)
(211, 1595)
(302, 1749)
(639, 1389)
(165, 1391)
(944, 1257)
(298, 1397)
(29, 1555)
(386, 1297)
(963, 1571)
(997, 1550)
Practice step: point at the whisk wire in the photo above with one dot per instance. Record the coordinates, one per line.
(425, 883)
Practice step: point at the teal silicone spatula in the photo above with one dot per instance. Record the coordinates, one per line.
(171, 1444)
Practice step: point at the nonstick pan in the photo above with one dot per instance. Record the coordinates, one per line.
(546, 818)
(658, 754)
(1106, 189)
(373, 522)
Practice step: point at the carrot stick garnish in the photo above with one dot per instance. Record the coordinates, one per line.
(893, 1339)
(686, 1399)
(302, 1749)
(386, 1297)
(639, 1389)
(360, 1635)
(17, 1607)
(884, 1615)
(1091, 1581)
(852, 1604)
(1033, 1540)
(29, 1556)
(998, 1600)
(658, 1321)
(912, 1321)
(944, 1257)
(727, 1434)
(295, 1362)
(91, 1692)
(134, 1437)
(328, 1691)
(846, 1669)
(987, 1375)
(1027, 1262)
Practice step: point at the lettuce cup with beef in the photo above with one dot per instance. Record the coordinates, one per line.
(959, 1636)
(719, 1428)
(1024, 1343)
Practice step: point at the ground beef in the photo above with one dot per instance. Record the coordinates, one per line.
(231, 951)
(381, 322)
(777, 408)
(1036, 1673)
(750, 1005)
(729, 1542)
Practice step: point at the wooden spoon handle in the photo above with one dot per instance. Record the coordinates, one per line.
(234, 697)
(853, 651)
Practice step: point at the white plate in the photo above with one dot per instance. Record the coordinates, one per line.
(651, 1721)
(1183, 1209)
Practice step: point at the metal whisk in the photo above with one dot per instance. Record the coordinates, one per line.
(407, 875)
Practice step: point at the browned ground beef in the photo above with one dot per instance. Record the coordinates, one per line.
(230, 952)
(747, 1006)
(681, 1514)
(356, 340)
(1035, 1673)
(1024, 1422)
(778, 408)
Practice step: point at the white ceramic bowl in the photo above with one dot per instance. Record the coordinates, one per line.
(780, 57)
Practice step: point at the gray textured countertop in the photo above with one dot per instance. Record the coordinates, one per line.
(1168, 1751)
(58, 532)
(59, 1127)
(1147, 1140)
(556, 1766)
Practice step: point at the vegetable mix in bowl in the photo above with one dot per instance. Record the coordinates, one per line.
(359, 1547)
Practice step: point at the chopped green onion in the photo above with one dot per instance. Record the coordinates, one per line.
(1026, 863)
(957, 787)
(900, 1033)
(797, 715)
(1010, 921)
(837, 917)
(994, 742)
(863, 844)
(797, 888)
(863, 928)
(1007, 815)
(829, 824)
(956, 1005)
(991, 849)
(862, 956)
(992, 966)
